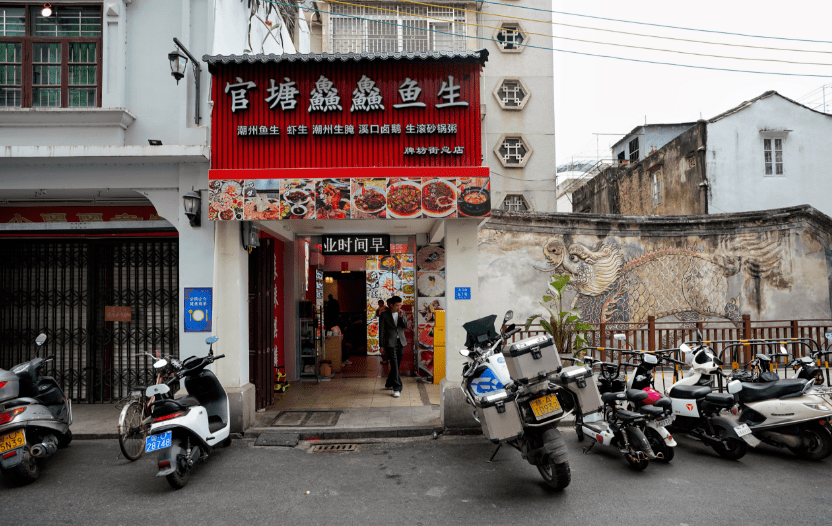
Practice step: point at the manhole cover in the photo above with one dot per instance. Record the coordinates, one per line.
(333, 448)
(306, 419)
(277, 439)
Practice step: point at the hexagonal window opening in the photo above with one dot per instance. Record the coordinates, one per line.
(513, 152)
(512, 94)
(515, 203)
(511, 37)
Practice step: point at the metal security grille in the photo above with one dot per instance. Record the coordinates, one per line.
(396, 28)
(61, 288)
(333, 448)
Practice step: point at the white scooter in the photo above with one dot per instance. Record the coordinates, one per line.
(188, 428)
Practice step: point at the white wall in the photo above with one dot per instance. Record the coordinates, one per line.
(735, 161)
(232, 36)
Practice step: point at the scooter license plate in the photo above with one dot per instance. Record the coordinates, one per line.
(12, 440)
(157, 442)
(545, 406)
(742, 430)
(666, 422)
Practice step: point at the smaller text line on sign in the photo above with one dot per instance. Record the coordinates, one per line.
(462, 293)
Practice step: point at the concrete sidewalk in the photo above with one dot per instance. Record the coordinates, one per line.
(91, 421)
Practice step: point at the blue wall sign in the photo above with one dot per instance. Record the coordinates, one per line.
(462, 293)
(198, 306)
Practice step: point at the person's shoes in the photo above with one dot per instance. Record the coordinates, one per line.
(396, 394)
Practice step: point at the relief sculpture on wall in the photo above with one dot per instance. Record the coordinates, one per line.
(685, 282)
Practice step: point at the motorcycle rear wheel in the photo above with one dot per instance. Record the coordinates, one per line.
(178, 479)
(27, 471)
(821, 443)
(638, 464)
(731, 448)
(658, 445)
(557, 476)
(132, 435)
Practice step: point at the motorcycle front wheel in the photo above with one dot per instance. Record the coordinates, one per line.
(557, 476)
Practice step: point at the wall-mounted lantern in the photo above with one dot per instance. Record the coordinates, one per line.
(178, 63)
(193, 203)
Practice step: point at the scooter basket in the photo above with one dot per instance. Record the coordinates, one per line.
(499, 416)
(532, 359)
(578, 380)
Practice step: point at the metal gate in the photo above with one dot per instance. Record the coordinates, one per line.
(261, 322)
(61, 288)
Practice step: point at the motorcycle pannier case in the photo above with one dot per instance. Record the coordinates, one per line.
(499, 416)
(11, 385)
(532, 359)
(578, 379)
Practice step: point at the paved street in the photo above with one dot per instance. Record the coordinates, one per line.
(421, 481)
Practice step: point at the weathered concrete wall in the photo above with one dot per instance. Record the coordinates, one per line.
(772, 265)
(628, 189)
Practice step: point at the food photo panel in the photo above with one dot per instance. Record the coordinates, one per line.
(430, 258)
(404, 198)
(369, 198)
(439, 197)
(431, 284)
(297, 198)
(428, 308)
(226, 200)
(332, 199)
(474, 197)
(262, 199)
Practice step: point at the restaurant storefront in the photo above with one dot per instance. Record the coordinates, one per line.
(361, 177)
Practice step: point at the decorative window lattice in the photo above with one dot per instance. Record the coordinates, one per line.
(512, 94)
(511, 37)
(513, 151)
(515, 203)
(400, 28)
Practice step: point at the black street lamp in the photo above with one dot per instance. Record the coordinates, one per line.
(178, 63)
(192, 202)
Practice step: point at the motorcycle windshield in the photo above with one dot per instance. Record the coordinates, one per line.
(480, 330)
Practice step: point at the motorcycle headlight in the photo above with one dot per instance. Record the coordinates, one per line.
(818, 407)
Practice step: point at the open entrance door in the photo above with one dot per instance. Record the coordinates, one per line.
(261, 321)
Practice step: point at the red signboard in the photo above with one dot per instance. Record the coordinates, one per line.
(77, 214)
(120, 314)
(379, 113)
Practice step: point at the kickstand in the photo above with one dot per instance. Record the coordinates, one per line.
(586, 449)
(495, 452)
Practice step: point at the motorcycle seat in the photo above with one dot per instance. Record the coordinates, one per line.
(623, 414)
(723, 399)
(636, 395)
(651, 410)
(609, 398)
(689, 392)
(188, 400)
(752, 392)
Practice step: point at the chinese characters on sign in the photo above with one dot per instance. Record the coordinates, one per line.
(284, 94)
(409, 92)
(378, 244)
(324, 97)
(198, 306)
(367, 96)
(462, 293)
(238, 94)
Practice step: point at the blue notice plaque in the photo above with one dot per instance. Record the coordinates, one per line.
(462, 293)
(198, 310)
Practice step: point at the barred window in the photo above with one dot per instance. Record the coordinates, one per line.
(52, 61)
(515, 203)
(394, 27)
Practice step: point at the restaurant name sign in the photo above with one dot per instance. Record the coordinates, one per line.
(357, 245)
(297, 138)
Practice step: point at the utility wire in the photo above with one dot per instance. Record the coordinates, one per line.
(609, 30)
(512, 30)
(555, 49)
(655, 25)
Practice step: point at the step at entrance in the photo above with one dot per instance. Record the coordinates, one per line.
(306, 419)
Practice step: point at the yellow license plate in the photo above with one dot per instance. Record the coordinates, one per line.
(545, 406)
(13, 440)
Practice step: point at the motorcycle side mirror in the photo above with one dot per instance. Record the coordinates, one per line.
(464, 352)
(160, 364)
(211, 339)
(509, 315)
(41, 339)
(734, 386)
(620, 337)
(651, 359)
(157, 389)
(783, 350)
(698, 336)
(685, 348)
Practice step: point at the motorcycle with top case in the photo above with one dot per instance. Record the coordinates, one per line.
(513, 406)
(34, 418)
(187, 429)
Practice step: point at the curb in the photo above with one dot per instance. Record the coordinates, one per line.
(346, 434)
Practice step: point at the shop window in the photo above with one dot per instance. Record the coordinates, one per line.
(396, 27)
(512, 94)
(657, 186)
(510, 37)
(50, 61)
(513, 151)
(773, 155)
(515, 203)
(634, 150)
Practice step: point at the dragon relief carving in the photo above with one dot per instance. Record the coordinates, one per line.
(680, 282)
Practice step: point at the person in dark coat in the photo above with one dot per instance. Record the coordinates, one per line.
(392, 324)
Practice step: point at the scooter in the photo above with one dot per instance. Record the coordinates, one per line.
(34, 418)
(187, 429)
(513, 406)
(703, 414)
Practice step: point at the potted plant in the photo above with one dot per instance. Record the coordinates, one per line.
(563, 324)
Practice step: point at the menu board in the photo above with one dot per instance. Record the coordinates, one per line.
(389, 276)
(430, 285)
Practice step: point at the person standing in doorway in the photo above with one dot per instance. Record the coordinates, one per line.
(392, 324)
(331, 311)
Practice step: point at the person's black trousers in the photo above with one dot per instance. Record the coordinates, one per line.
(395, 355)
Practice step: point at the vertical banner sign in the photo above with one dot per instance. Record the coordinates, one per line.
(198, 306)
